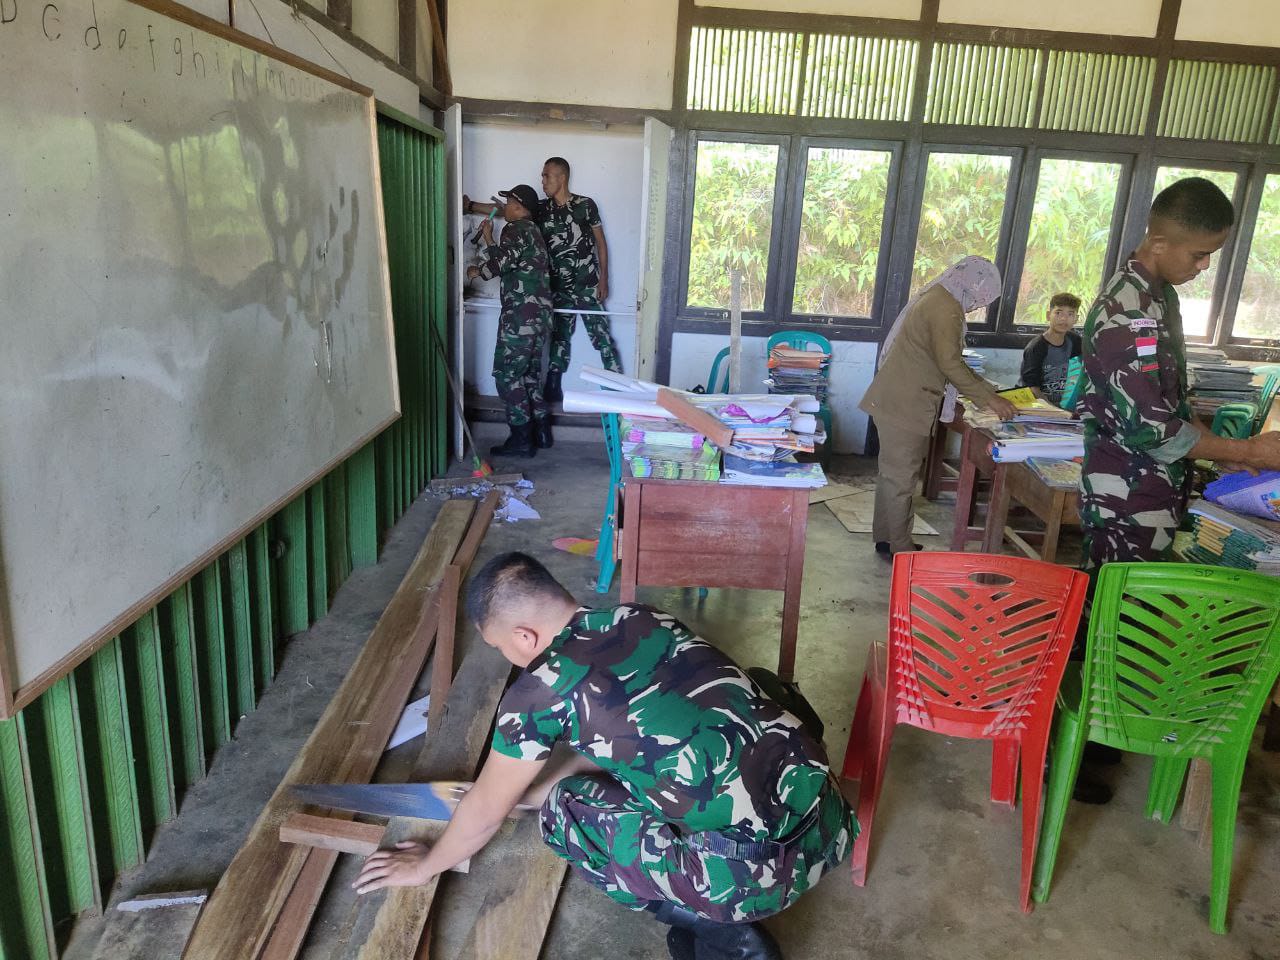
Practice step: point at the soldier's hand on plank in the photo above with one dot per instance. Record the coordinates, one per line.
(401, 867)
(1002, 408)
(1264, 450)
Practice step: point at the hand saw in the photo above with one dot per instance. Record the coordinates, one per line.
(424, 801)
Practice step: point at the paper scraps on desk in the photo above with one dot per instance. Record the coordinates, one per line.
(856, 511)
(578, 546)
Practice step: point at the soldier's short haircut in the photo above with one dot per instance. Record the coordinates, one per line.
(560, 163)
(509, 581)
(1194, 203)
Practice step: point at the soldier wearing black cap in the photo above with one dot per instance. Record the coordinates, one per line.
(525, 322)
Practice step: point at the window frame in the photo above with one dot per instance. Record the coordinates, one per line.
(1247, 223)
(1228, 255)
(1115, 242)
(768, 308)
(795, 217)
(987, 326)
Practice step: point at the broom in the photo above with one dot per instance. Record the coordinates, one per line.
(479, 467)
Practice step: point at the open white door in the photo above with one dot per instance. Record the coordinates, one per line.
(653, 217)
(457, 262)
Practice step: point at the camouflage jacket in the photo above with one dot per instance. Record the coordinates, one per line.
(575, 266)
(1135, 409)
(689, 735)
(521, 261)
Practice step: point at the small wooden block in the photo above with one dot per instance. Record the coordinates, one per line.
(343, 836)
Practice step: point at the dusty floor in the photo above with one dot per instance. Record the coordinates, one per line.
(943, 874)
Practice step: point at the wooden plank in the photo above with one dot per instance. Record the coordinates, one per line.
(286, 939)
(523, 897)
(395, 918)
(705, 423)
(442, 660)
(692, 500)
(331, 833)
(242, 910)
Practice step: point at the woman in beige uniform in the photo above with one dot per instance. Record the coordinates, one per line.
(922, 355)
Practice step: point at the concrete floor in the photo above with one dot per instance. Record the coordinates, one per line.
(943, 874)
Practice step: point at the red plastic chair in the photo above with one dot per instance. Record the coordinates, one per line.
(977, 647)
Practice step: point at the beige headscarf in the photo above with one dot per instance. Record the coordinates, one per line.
(973, 281)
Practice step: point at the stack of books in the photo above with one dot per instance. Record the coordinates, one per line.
(1056, 473)
(1040, 431)
(1213, 380)
(1225, 538)
(798, 371)
(667, 449)
(777, 473)
(766, 427)
(975, 361)
(657, 431)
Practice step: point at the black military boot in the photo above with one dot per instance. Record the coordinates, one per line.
(542, 438)
(714, 941)
(519, 444)
(553, 392)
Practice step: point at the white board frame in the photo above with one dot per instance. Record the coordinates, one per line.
(13, 695)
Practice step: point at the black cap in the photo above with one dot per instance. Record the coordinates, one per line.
(524, 195)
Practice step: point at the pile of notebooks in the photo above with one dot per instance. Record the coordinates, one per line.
(1225, 538)
(1040, 431)
(766, 428)
(1245, 493)
(776, 473)
(1213, 380)
(798, 371)
(1056, 473)
(667, 449)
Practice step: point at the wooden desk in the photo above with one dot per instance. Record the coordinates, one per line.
(690, 533)
(1010, 483)
(936, 467)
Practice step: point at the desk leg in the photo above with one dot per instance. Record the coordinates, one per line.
(966, 491)
(629, 531)
(1049, 548)
(997, 512)
(933, 460)
(791, 592)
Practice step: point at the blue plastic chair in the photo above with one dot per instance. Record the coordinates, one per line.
(802, 340)
(606, 563)
(721, 358)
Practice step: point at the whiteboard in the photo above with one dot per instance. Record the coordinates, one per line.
(195, 305)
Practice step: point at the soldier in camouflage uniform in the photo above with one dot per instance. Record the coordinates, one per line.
(689, 794)
(525, 322)
(579, 271)
(1139, 430)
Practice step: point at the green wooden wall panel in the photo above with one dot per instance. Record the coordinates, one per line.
(58, 773)
(240, 648)
(318, 552)
(109, 761)
(362, 506)
(26, 920)
(211, 654)
(182, 683)
(291, 530)
(262, 601)
(148, 707)
(339, 553)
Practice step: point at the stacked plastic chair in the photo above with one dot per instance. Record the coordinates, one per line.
(606, 562)
(977, 647)
(802, 340)
(1179, 663)
(1235, 420)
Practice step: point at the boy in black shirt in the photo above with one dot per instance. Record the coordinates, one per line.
(1044, 362)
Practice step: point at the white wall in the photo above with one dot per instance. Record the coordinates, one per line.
(607, 166)
(898, 9)
(1231, 21)
(378, 22)
(609, 53)
(219, 10)
(1129, 17)
(274, 22)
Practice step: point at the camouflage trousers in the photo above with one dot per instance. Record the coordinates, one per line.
(597, 325)
(641, 861)
(517, 365)
(1130, 506)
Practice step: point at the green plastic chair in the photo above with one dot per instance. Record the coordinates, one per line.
(802, 340)
(721, 358)
(1179, 663)
(605, 562)
(1235, 420)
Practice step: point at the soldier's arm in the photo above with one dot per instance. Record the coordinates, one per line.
(502, 783)
(480, 207)
(602, 253)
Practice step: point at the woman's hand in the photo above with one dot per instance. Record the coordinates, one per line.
(1002, 408)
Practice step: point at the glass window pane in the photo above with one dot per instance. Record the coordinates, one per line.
(961, 211)
(1258, 312)
(732, 222)
(1070, 231)
(1196, 297)
(840, 229)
